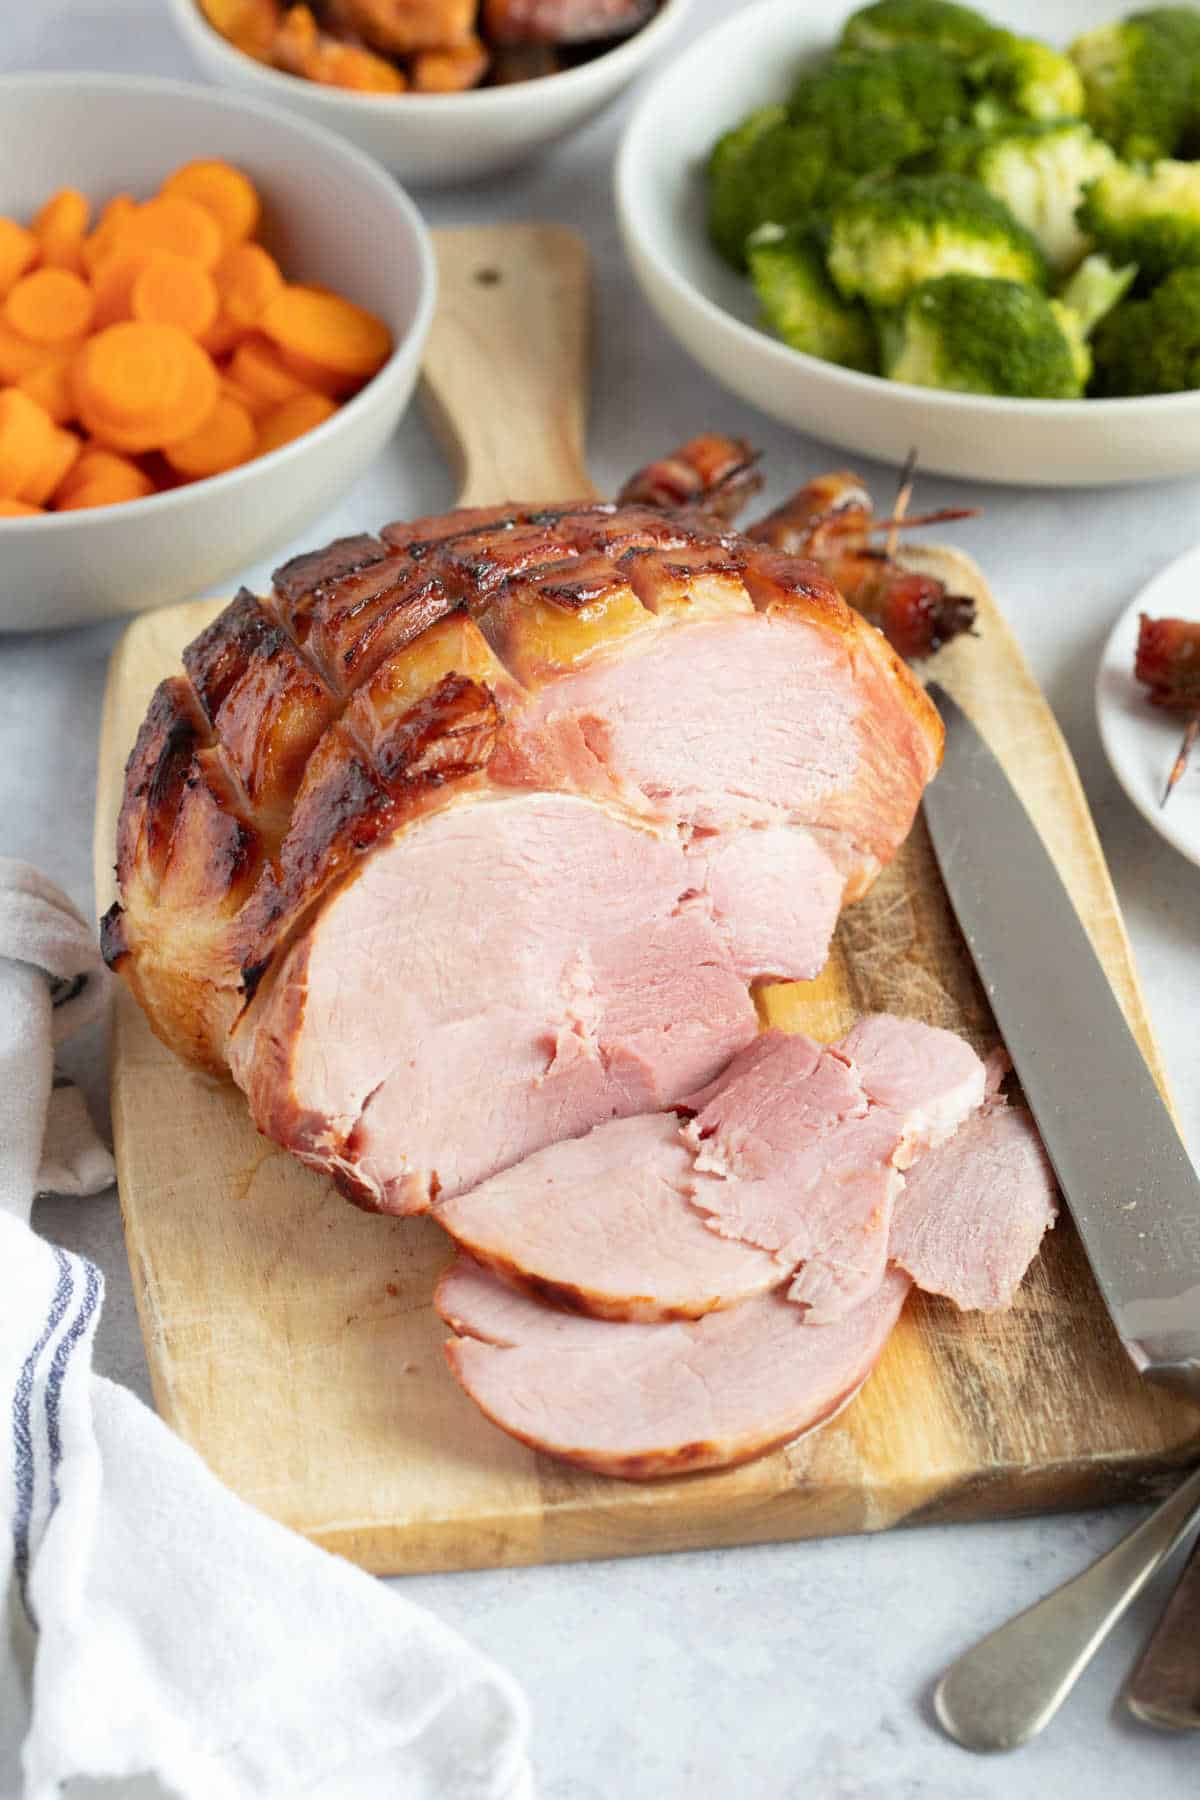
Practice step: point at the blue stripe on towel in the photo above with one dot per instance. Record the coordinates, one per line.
(58, 1368)
(21, 1417)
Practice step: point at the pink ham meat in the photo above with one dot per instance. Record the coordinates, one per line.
(604, 1224)
(469, 836)
(808, 1147)
(571, 969)
(666, 1399)
(794, 1157)
(973, 1213)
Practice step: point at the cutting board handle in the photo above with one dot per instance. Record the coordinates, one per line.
(505, 372)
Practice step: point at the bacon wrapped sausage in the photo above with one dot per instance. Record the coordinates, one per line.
(1168, 662)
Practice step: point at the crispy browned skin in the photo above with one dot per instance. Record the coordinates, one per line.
(384, 676)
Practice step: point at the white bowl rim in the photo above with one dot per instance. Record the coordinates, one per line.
(626, 184)
(325, 140)
(631, 50)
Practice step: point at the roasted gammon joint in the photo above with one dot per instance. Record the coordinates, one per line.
(462, 851)
(475, 835)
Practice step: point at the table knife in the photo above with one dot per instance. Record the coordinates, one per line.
(1164, 1688)
(1123, 1170)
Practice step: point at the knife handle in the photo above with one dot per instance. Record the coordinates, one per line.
(1009, 1685)
(1164, 1688)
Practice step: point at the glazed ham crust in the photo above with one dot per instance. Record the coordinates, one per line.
(666, 674)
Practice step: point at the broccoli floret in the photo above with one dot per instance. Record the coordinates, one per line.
(767, 168)
(954, 29)
(1140, 80)
(1040, 173)
(881, 110)
(1150, 217)
(1151, 346)
(889, 236)
(800, 303)
(980, 336)
(1094, 289)
(957, 153)
(1029, 79)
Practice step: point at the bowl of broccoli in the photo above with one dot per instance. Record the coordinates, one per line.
(920, 223)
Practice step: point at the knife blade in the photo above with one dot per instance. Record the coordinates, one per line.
(1120, 1163)
(1124, 1172)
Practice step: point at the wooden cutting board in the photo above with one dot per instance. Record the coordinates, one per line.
(291, 1338)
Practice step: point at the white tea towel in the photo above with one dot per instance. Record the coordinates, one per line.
(154, 1625)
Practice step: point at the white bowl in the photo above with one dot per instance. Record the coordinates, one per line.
(750, 61)
(330, 216)
(435, 140)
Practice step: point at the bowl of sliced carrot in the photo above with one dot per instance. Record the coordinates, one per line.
(212, 315)
(441, 91)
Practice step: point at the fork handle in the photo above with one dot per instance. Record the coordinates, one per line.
(1004, 1690)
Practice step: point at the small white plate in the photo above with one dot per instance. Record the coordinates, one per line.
(1141, 741)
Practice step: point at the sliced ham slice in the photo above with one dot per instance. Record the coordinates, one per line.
(973, 1213)
(931, 1077)
(808, 1147)
(603, 1224)
(645, 1400)
(794, 1156)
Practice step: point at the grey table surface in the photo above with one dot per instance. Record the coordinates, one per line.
(776, 1671)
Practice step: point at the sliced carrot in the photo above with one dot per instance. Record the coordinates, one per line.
(172, 222)
(17, 355)
(334, 333)
(248, 279)
(254, 404)
(50, 306)
(257, 366)
(318, 379)
(173, 290)
(112, 285)
(222, 336)
(49, 384)
(18, 509)
(102, 240)
(26, 440)
(60, 227)
(141, 387)
(59, 460)
(105, 490)
(223, 191)
(110, 470)
(226, 438)
(18, 253)
(292, 420)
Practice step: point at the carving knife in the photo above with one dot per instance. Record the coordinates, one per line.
(1122, 1168)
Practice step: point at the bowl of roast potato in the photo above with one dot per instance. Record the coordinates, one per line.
(439, 91)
